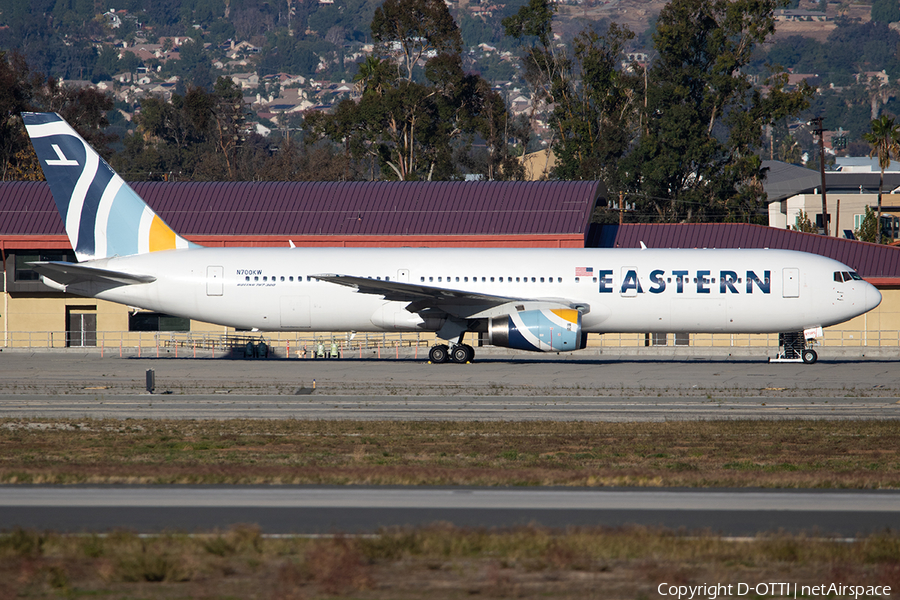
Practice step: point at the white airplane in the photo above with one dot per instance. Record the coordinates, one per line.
(544, 300)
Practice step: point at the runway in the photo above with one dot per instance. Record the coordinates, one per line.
(511, 388)
(535, 376)
(445, 408)
(317, 510)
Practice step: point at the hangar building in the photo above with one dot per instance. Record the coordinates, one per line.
(374, 214)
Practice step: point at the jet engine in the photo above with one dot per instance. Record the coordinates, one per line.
(542, 330)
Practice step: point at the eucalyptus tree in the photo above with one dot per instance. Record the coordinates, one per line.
(411, 121)
(703, 120)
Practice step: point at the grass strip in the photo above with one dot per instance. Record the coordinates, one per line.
(861, 454)
(436, 562)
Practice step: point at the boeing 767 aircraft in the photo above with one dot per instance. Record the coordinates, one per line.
(544, 300)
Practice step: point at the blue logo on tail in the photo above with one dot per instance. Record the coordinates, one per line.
(104, 217)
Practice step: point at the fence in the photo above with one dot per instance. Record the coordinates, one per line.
(381, 345)
(190, 344)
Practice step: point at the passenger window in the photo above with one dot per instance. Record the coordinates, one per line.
(542, 279)
(492, 279)
(532, 280)
(247, 278)
(255, 278)
(457, 279)
(422, 279)
(466, 279)
(430, 279)
(577, 280)
(559, 280)
(439, 279)
(517, 280)
(291, 278)
(595, 280)
(282, 277)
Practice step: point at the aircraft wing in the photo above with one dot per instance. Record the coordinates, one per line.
(412, 292)
(458, 303)
(66, 273)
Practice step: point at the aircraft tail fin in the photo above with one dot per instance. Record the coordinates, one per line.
(103, 216)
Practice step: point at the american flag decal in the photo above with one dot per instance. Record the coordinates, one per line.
(584, 271)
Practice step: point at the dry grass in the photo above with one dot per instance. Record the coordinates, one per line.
(438, 562)
(795, 454)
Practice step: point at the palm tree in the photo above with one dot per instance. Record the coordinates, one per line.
(885, 142)
(366, 73)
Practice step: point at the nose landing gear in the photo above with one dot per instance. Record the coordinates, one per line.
(792, 347)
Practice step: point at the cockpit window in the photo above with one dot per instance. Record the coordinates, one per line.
(842, 276)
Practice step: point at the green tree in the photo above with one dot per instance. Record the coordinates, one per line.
(804, 223)
(885, 141)
(414, 29)
(595, 114)
(885, 11)
(697, 155)
(869, 231)
(411, 126)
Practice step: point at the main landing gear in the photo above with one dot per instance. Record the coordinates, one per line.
(458, 353)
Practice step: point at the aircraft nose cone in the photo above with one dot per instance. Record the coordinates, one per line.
(873, 297)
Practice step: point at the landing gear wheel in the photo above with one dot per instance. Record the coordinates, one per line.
(470, 352)
(439, 353)
(461, 353)
(810, 356)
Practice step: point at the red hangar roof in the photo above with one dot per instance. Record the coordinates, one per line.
(877, 263)
(510, 214)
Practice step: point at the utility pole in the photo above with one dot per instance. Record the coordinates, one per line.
(621, 205)
(817, 122)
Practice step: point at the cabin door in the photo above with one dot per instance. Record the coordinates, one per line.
(214, 279)
(791, 283)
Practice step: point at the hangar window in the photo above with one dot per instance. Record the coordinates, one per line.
(24, 272)
(153, 321)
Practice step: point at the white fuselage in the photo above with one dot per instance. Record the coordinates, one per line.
(651, 290)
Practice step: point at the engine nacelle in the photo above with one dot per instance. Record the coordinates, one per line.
(543, 330)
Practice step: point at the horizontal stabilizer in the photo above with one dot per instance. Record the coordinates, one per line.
(66, 273)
